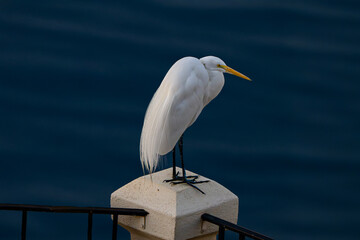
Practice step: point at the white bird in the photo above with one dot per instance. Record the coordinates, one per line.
(189, 85)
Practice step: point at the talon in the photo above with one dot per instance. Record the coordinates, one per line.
(196, 188)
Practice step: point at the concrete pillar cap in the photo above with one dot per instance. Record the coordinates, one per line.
(174, 210)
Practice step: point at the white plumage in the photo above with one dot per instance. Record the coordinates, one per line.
(189, 85)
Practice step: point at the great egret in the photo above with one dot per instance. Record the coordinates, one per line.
(187, 88)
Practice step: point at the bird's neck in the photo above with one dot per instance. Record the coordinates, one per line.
(216, 83)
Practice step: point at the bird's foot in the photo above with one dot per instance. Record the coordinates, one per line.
(180, 178)
(190, 180)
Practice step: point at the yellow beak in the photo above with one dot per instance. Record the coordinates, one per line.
(234, 72)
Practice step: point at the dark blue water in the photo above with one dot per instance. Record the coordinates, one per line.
(76, 78)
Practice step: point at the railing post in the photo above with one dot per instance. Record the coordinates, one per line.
(23, 225)
(115, 223)
(90, 221)
(221, 233)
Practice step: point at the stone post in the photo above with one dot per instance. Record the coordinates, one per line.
(174, 210)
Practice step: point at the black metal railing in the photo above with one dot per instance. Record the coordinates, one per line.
(60, 209)
(223, 225)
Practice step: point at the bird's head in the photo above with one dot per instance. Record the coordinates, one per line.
(212, 63)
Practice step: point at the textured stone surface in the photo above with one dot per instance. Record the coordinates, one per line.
(174, 210)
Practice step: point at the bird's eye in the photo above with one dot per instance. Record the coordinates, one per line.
(218, 65)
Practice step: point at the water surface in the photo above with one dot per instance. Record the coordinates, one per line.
(77, 76)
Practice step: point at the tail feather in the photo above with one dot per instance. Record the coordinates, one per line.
(154, 131)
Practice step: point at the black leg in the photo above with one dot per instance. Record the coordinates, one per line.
(182, 156)
(182, 160)
(174, 163)
(190, 180)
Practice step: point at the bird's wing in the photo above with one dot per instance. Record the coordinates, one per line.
(187, 105)
(175, 106)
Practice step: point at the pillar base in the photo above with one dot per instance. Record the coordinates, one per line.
(137, 235)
